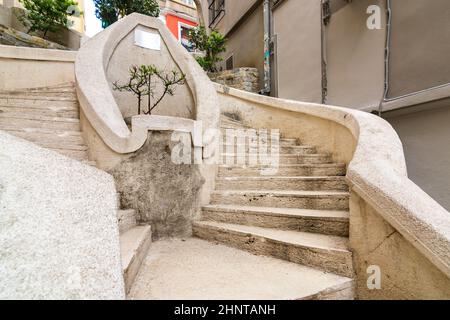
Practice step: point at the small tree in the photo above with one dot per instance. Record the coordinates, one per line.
(212, 45)
(109, 11)
(143, 81)
(47, 15)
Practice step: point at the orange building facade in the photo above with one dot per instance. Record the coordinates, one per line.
(179, 16)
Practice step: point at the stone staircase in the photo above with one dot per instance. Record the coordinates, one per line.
(135, 242)
(50, 118)
(47, 116)
(299, 215)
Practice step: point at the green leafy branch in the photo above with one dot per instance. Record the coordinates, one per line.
(212, 45)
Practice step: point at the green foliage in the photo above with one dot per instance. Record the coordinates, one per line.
(109, 11)
(143, 81)
(206, 64)
(106, 11)
(48, 15)
(212, 45)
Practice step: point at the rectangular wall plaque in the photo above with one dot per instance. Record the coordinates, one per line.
(148, 40)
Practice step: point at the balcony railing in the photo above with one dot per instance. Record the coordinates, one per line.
(216, 8)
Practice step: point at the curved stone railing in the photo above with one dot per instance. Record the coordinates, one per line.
(376, 172)
(98, 103)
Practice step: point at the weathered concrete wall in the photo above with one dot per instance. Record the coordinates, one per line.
(5, 16)
(249, 32)
(59, 236)
(42, 67)
(128, 54)
(240, 78)
(66, 37)
(234, 11)
(11, 3)
(405, 272)
(425, 134)
(178, 6)
(355, 57)
(12, 37)
(420, 46)
(299, 50)
(164, 194)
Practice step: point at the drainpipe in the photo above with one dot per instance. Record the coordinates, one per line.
(325, 15)
(387, 54)
(267, 39)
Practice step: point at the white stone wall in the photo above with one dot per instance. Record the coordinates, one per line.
(59, 236)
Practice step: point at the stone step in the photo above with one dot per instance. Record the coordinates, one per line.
(63, 86)
(194, 269)
(49, 111)
(246, 148)
(126, 219)
(70, 133)
(62, 146)
(61, 89)
(118, 200)
(283, 142)
(317, 200)
(90, 163)
(37, 117)
(239, 159)
(39, 95)
(74, 154)
(282, 183)
(70, 84)
(289, 142)
(241, 133)
(323, 252)
(52, 137)
(27, 121)
(226, 123)
(134, 245)
(331, 169)
(12, 101)
(316, 221)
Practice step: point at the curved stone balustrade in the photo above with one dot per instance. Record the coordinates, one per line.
(100, 107)
(376, 164)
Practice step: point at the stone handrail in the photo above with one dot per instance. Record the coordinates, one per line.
(98, 103)
(377, 173)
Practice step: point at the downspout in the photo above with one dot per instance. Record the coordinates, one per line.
(325, 16)
(387, 53)
(267, 39)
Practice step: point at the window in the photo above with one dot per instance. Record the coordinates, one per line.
(229, 63)
(188, 2)
(183, 35)
(215, 8)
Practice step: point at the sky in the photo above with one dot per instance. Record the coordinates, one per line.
(93, 25)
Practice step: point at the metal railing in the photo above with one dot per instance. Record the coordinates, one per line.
(216, 8)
